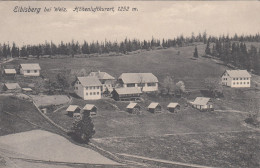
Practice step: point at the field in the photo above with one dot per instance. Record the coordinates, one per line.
(216, 138)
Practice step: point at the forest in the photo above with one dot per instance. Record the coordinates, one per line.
(231, 50)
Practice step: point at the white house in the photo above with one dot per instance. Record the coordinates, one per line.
(88, 88)
(106, 80)
(236, 78)
(203, 104)
(147, 82)
(30, 69)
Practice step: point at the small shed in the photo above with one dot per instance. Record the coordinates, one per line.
(133, 108)
(26, 90)
(11, 87)
(73, 109)
(173, 107)
(155, 107)
(10, 73)
(90, 109)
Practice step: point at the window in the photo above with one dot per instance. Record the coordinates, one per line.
(247, 82)
(237, 78)
(151, 84)
(241, 82)
(234, 83)
(94, 93)
(28, 71)
(86, 93)
(35, 71)
(237, 82)
(97, 87)
(90, 93)
(130, 85)
(97, 93)
(90, 88)
(241, 78)
(234, 78)
(140, 84)
(244, 82)
(86, 88)
(76, 88)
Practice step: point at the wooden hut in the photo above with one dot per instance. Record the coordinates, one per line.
(9, 73)
(73, 109)
(203, 104)
(90, 109)
(173, 107)
(11, 87)
(133, 108)
(155, 107)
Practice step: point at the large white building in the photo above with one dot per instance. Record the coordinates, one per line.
(236, 78)
(147, 82)
(88, 88)
(30, 69)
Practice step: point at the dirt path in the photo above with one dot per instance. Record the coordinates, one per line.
(163, 161)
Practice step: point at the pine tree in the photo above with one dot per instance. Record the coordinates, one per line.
(195, 54)
(207, 50)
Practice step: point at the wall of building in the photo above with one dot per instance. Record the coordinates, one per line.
(30, 73)
(92, 93)
(241, 82)
(145, 88)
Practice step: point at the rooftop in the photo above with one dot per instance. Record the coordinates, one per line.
(238, 73)
(201, 101)
(30, 66)
(153, 105)
(138, 78)
(129, 90)
(89, 81)
(101, 75)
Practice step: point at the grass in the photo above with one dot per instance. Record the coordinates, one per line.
(10, 124)
(214, 149)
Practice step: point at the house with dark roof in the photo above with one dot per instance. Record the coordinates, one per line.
(88, 88)
(147, 82)
(126, 94)
(30, 69)
(236, 78)
(106, 80)
(203, 104)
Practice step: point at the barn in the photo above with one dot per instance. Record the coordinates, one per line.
(10, 73)
(133, 108)
(173, 107)
(30, 69)
(155, 107)
(11, 87)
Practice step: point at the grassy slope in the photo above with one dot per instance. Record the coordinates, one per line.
(12, 124)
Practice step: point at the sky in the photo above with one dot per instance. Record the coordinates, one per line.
(158, 19)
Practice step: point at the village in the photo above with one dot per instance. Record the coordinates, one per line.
(127, 87)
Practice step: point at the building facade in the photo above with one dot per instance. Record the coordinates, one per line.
(88, 88)
(147, 82)
(30, 69)
(236, 78)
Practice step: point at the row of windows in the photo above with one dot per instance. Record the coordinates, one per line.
(234, 83)
(140, 84)
(92, 87)
(240, 78)
(35, 71)
(92, 93)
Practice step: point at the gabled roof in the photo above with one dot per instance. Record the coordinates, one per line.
(128, 90)
(131, 105)
(138, 78)
(201, 101)
(27, 89)
(101, 75)
(238, 73)
(89, 107)
(11, 86)
(172, 105)
(30, 66)
(10, 71)
(72, 108)
(89, 81)
(153, 105)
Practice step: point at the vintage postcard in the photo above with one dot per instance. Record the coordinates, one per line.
(129, 84)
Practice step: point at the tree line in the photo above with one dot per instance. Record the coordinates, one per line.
(235, 53)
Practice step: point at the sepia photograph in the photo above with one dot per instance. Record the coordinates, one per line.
(130, 84)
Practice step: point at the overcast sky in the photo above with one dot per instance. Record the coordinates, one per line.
(162, 19)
